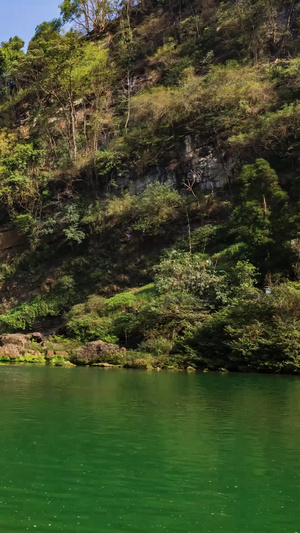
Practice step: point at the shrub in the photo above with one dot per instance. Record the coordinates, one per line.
(90, 327)
(157, 346)
(257, 333)
(119, 302)
(155, 207)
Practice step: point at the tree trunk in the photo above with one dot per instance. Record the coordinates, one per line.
(73, 130)
(128, 101)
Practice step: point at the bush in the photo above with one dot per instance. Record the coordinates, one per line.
(157, 346)
(90, 327)
(120, 302)
(181, 271)
(260, 333)
(23, 316)
(155, 207)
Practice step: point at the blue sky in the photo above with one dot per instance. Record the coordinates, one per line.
(20, 17)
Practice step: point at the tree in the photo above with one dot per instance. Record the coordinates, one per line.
(261, 219)
(12, 49)
(255, 28)
(10, 55)
(19, 164)
(89, 15)
(47, 30)
(62, 72)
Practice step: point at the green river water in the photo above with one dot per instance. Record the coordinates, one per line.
(92, 450)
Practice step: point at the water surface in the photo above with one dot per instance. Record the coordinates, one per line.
(92, 450)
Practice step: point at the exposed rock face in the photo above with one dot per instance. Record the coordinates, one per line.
(195, 163)
(10, 350)
(34, 348)
(63, 354)
(16, 339)
(205, 166)
(10, 240)
(97, 352)
(13, 345)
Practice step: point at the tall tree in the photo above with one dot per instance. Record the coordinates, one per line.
(89, 15)
(261, 220)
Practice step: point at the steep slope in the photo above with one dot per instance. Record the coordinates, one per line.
(156, 143)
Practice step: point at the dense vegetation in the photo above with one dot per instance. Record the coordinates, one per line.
(181, 276)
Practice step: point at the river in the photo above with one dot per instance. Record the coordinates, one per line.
(93, 450)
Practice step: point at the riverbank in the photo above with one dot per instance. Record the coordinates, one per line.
(161, 214)
(34, 349)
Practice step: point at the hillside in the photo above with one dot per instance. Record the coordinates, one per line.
(149, 179)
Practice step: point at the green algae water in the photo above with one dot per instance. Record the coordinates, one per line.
(92, 450)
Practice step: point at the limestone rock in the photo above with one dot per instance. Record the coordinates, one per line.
(10, 239)
(10, 350)
(105, 365)
(98, 352)
(37, 337)
(61, 353)
(17, 339)
(193, 162)
(191, 369)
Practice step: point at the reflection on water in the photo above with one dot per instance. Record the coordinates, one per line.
(92, 450)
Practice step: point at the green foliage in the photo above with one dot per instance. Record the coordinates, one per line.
(47, 31)
(154, 208)
(90, 327)
(72, 221)
(120, 302)
(90, 15)
(22, 317)
(227, 94)
(261, 219)
(25, 223)
(18, 183)
(65, 222)
(11, 53)
(157, 346)
(65, 284)
(140, 361)
(181, 271)
(256, 334)
(149, 214)
(205, 91)
(33, 358)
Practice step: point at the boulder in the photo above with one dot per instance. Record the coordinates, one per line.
(98, 352)
(17, 339)
(10, 350)
(106, 365)
(62, 353)
(36, 353)
(191, 369)
(37, 337)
